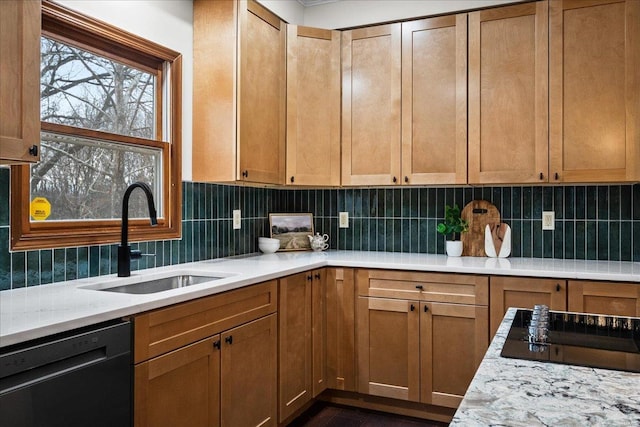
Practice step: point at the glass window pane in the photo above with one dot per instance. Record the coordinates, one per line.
(86, 179)
(79, 88)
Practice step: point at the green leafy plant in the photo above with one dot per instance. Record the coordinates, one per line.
(453, 224)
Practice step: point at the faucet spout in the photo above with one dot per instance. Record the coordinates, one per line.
(124, 250)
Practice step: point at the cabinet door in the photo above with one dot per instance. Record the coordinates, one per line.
(19, 81)
(434, 100)
(248, 374)
(524, 292)
(594, 90)
(215, 50)
(295, 343)
(313, 106)
(616, 299)
(341, 308)
(262, 102)
(180, 388)
(508, 92)
(388, 348)
(453, 341)
(371, 82)
(319, 331)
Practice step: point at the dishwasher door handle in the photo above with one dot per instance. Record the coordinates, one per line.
(51, 370)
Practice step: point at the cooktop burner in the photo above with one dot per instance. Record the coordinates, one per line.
(608, 342)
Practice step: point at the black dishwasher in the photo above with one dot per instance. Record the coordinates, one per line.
(77, 379)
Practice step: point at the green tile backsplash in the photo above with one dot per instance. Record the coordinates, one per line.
(596, 222)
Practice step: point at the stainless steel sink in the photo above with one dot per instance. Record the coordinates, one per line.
(162, 284)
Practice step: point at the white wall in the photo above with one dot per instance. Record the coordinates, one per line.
(166, 22)
(288, 10)
(353, 13)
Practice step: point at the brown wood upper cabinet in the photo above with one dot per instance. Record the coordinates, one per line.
(19, 81)
(508, 92)
(239, 93)
(371, 92)
(594, 72)
(429, 144)
(313, 106)
(434, 100)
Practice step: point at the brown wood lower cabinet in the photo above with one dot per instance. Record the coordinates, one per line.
(248, 374)
(340, 324)
(419, 351)
(453, 341)
(209, 362)
(524, 292)
(618, 299)
(302, 360)
(225, 380)
(180, 388)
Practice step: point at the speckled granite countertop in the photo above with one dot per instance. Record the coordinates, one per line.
(513, 392)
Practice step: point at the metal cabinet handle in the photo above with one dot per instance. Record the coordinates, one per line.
(33, 150)
(420, 287)
(413, 307)
(395, 179)
(216, 344)
(426, 308)
(558, 287)
(292, 179)
(556, 176)
(406, 179)
(310, 277)
(229, 339)
(541, 176)
(317, 276)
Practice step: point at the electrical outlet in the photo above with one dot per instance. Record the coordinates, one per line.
(237, 219)
(344, 219)
(548, 220)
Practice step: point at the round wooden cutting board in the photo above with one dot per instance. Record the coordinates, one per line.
(478, 213)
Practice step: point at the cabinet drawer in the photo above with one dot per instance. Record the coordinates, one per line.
(436, 287)
(166, 329)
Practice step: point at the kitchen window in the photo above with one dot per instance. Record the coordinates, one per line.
(110, 105)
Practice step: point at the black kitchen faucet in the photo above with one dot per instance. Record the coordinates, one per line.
(125, 254)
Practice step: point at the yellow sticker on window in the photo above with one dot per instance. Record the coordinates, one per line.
(40, 209)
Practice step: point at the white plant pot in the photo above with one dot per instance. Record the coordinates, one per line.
(454, 247)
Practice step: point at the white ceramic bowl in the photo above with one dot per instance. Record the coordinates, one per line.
(267, 245)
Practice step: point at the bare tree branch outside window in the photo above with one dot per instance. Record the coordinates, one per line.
(84, 178)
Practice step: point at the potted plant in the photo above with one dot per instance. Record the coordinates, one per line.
(452, 227)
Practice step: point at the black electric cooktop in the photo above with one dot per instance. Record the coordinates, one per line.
(608, 342)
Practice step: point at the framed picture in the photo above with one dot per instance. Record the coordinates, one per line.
(292, 230)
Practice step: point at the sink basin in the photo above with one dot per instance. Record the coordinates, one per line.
(161, 284)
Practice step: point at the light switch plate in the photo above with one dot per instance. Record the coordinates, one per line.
(237, 219)
(344, 220)
(548, 220)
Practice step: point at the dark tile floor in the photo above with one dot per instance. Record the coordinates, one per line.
(328, 415)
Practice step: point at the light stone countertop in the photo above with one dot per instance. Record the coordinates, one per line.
(514, 392)
(38, 311)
